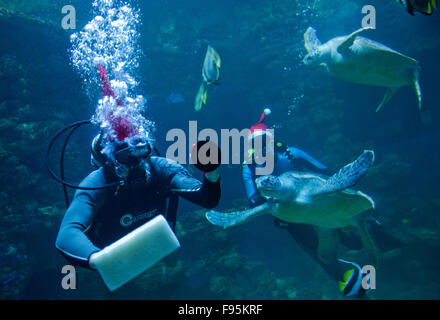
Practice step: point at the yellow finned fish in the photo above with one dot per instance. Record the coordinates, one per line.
(210, 75)
(211, 66)
(352, 280)
(201, 96)
(424, 6)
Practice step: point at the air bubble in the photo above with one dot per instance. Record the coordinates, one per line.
(110, 39)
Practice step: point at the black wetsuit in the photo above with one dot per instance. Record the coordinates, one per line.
(97, 218)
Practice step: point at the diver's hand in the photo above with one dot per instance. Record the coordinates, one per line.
(92, 261)
(212, 176)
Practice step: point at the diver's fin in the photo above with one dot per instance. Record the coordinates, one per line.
(348, 175)
(328, 244)
(367, 241)
(388, 95)
(229, 219)
(417, 88)
(311, 41)
(201, 96)
(348, 42)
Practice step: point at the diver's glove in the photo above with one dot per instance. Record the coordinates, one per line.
(284, 150)
(211, 168)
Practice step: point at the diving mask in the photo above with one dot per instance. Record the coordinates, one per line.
(132, 153)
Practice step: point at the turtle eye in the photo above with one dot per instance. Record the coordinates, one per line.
(270, 181)
(262, 181)
(274, 182)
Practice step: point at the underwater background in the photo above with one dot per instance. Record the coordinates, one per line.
(262, 47)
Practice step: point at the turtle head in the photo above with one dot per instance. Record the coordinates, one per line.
(313, 58)
(269, 186)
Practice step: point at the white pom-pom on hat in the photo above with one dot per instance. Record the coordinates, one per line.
(267, 111)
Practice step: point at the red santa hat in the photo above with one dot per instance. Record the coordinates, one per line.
(105, 86)
(122, 127)
(260, 128)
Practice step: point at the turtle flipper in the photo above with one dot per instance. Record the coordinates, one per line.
(349, 40)
(230, 219)
(347, 176)
(311, 41)
(417, 88)
(328, 244)
(388, 95)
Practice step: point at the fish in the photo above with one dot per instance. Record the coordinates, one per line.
(175, 98)
(351, 284)
(210, 75)
(201, 96)
(426, 7)
(211, 66)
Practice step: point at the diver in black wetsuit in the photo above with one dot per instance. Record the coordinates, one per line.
(285, 159)
(97, 218)
(290, 158)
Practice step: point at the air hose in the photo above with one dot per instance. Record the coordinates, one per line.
(73, 127)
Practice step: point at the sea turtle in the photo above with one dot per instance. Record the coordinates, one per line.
(314, 199)
(360, 60)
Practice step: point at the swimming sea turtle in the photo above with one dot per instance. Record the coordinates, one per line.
(361, 60)
(310, 198)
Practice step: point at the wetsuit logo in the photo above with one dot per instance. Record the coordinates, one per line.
(127, 219)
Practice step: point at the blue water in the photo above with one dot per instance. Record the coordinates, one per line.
(261, 46)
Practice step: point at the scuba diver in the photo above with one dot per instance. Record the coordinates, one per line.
(290, 158)
(129, 187)
(97, 218)
(285, 159)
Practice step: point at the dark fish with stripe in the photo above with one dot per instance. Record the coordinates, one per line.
(352, 280)
(424, 6)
